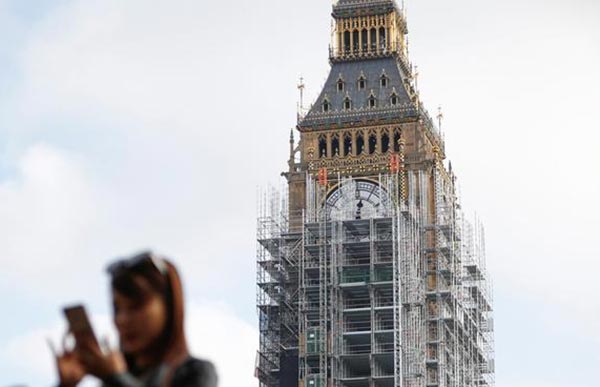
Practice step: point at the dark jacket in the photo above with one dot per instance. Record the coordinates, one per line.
(191, 373)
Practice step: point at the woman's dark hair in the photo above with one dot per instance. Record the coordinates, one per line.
(139, 278)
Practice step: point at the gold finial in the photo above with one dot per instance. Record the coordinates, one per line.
(437, 154)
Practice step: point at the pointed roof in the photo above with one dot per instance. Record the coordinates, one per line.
(349, 73)
(349, 8)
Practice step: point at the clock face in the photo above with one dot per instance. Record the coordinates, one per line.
(356, 199)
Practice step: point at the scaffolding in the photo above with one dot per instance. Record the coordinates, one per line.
(278, 251)
(384, 295)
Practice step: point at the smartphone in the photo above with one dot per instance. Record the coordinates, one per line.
(79, 323)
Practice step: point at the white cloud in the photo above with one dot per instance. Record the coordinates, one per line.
(153, 167)
(59, 217)
(46, 214)
(180, 156)
(520, 132)
(215, 333)
(28, 357)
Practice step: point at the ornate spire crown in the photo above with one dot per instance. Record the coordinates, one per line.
(368, 28)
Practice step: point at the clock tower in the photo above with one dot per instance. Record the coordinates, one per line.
(368, 273)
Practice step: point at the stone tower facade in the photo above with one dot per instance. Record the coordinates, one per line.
(368, 274)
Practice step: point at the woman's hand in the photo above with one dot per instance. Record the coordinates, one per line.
(70, 370)
(101, 364)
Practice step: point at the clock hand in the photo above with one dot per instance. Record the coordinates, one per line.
(371, 192)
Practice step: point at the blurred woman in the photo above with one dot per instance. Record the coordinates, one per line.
(148, 314)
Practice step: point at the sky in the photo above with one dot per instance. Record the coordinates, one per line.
(127, 125)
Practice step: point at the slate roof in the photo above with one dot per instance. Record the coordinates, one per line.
(350, 72)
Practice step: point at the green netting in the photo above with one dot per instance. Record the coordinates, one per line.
(313, 341)
(314, 381)
(383, 274)
(355, 274)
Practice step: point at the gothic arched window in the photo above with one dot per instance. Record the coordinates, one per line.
(372, 143)
(382, 39)
(347, 42)
(364, 34)
(347, 103)
(362, 82)
(397, 136)
(385, 142)
(360, 144)
(347, 144)
(373, 39)
(372, 101)
(322, 147)
(326, 105)
(384, 80)
(335, 145)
